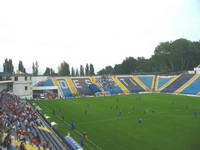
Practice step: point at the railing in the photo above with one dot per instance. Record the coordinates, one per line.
(62, 139)
(61, 91)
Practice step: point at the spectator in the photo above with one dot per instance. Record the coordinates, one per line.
(16, 120)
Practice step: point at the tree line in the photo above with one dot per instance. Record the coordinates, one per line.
(63, 69)
(171, 56)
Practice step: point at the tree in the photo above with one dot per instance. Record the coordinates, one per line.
(107, 70)
(35, 67)
(117, 69)
(8, 66)
(91, 70)
(181, 50)
(21, 67)
(82, 70)
(63, 69)
(128, 65)
(5, 66)
(49, 72)
(87, 69)
(72, 72)
(143, 65)
(77, 73)
(175, 56)
(195, 54)
(171, 56)
(11, 67)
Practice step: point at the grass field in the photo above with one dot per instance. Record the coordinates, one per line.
(173, 125)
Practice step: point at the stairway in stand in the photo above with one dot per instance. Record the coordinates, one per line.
(117, 81)
(71, 86)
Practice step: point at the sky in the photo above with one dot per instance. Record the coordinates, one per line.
(101, 32)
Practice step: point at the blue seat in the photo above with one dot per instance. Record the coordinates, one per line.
(109, 85)
(64, 87)
(178, 83)
(193, 88)
(163, 80)
(147, 80)
(94, 88)
(130, 84)
(115, 90)
(82, 85)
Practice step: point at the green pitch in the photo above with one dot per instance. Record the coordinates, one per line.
(131, 122)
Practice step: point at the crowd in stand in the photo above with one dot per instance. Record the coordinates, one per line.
(106, 82)
(17, 120)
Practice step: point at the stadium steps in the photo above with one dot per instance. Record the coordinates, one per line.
(54, 141)
(51, 134)
(45, 129)
(169, 82)
(117, 81)
(64, 88)
(56, 82)
(46, 137)
(94, 81)
(72, 88)
(154, 83)
(140, 83)
(188, 83)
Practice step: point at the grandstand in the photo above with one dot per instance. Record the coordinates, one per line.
(64, 87)
(82, 85)
(177, 83)
(193, 86)
(26, 86)
(130, 84)
(30, 87)
(22, 125)
(87, 86)
(109, 85)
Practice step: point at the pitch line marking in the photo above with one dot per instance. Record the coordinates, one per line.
(118, 118)
(103, 120)
(79, 132)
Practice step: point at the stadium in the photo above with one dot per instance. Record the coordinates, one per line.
(99, 75)
(109, 111)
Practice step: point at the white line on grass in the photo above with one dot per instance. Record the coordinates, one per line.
(119, 118)
(106, 120)
(97, 146)
(103, 120)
